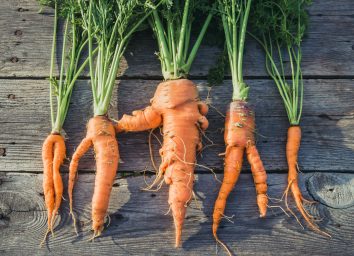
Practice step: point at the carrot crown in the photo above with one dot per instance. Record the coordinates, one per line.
(74, 41)
(234, 16)
(109, 25)
(279, 27)
(172, 26)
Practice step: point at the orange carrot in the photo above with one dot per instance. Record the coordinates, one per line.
(53, 155)
(239, 137)
(176, 106)
(292, 151)
(100, 134)
(60, 91)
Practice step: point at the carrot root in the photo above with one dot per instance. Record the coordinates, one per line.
(100, 134)
(239, 138)
(177, 107)
(53, 155)
(292, 151)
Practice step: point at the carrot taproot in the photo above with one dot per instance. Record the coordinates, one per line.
(292, 151)
(175, 106)
(100, 135)
(53, 155)
(239, 139)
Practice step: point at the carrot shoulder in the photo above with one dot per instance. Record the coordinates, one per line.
(175, 106)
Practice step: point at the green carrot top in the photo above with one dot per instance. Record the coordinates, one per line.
(172, 24)
(279, 26)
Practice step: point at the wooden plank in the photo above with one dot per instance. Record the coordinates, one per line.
(139, 225)
(327, 124)
(25, 39)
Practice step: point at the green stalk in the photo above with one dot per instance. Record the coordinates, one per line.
(289, 40)
(165, 54)
(90, 35)
(52, 64)
(197, 44)
(182, 32)
(242, 40)
(173, 37)
(63, 60)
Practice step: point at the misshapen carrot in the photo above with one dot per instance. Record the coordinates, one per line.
(100, 134)
(175, 106)
(292, 151)
(53, 155)
(239, 138)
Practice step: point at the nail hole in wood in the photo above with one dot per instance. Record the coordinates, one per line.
(2, 151)
(18, 32)
(11, 96)
(22, 9)
(14, 59)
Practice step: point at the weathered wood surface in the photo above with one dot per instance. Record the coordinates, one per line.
(328, 140)
(25, 38)
(139, 225)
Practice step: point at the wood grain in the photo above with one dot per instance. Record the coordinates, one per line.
(327, 124)
(25, 39)
(139, 225)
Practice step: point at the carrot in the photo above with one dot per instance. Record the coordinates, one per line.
(175, 105)
(281, 39)
(53, 149)
(239, 138)
(292, 151)
(239, 133)
(177, 108)
(100, 134)
(122, 19)
(53, 155)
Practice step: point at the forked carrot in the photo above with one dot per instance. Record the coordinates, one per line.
(121, 20)
(239, 134)
(100, 135)
(239, 139)
(53, 149)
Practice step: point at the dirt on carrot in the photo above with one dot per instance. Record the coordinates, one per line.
(175, 106)
(100, 135)
(239, 138)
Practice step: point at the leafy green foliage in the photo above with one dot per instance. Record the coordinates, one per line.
(173, 25)
(74, 41)
(285, 20)
(217, 72)
(280, 26)
(110, 25)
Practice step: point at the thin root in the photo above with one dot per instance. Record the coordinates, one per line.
(74, 220)
(223, 245)
(278, 206)
(45, 237)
